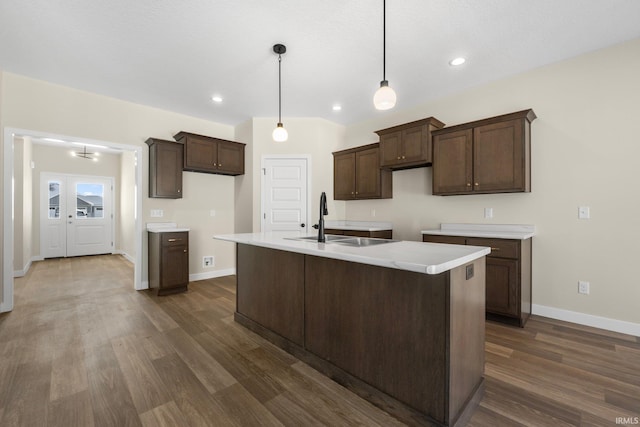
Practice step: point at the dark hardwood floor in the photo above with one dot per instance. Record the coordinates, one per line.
(82, 348)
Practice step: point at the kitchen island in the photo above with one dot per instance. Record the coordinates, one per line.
(400, 323)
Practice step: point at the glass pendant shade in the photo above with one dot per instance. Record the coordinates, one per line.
(385, 97)
(280, 134)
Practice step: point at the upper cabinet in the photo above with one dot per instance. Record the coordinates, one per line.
(211, 155)
(165, 168)
(486, 156)
(357, 174)
(407, 145)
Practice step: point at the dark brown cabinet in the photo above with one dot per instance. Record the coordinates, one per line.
(211, 155)
(357, 174)
(379, 234)
(165, 168)
(407, 145)
(487, 156)
(508, 281)
(169, 262)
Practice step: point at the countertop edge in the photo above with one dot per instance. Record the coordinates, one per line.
(307, 249)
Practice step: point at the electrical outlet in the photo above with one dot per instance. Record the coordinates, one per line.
(488, 212)
(212, 212)
(373, 212)
(207, 261)
(584, 212)
(583, 287)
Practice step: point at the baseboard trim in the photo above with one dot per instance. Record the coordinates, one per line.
(606, 323)
(126, 256)
(212, 274)
(23, 272)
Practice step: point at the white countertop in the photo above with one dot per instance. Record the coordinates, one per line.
(359, 225)
(428, 258)
(496, 231)
(164, 227)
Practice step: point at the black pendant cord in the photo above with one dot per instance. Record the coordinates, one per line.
(279, 88)
(384, 40)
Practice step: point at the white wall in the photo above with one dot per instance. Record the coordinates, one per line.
(585, 150)
(39, 106)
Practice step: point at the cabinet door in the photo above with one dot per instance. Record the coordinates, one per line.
(452, 162)
(344, 176)
(201, 155)
(498, 157)
(174, 267)
(415, 146)
(502, 294)
(230, 158)
(390, 148)
(165, 170)
(367, 174)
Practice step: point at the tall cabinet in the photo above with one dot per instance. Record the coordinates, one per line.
(165, 168)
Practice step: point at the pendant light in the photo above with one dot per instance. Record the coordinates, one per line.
(280, 133)
(385, 97)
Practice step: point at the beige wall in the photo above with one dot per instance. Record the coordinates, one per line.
(312, 136)
(22, 248)
(585, 150)
(39, 106)
(126, 204)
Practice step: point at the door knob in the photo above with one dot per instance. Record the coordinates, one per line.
(302, 225)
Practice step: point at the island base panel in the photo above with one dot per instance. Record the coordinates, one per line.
(410, 343)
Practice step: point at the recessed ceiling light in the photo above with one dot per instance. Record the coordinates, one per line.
(457, 61)
(337, 107)
(216, 98)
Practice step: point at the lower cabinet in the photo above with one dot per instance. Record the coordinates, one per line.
(380, 234)
(508, 281)
(169, 262)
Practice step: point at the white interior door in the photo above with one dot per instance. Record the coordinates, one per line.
(77, 215)
(284, 194)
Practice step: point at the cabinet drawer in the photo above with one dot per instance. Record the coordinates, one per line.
(500, 248)
(451, 240)
(174, 239)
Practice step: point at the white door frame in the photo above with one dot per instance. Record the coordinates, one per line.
(8, 203)
(307, 158)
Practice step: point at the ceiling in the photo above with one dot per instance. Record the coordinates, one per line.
(175, 55)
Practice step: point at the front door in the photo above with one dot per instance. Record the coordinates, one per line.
(284, 194)
(76, 215)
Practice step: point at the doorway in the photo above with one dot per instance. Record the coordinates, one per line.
(285, 193)
(76, 215)
(9, 134)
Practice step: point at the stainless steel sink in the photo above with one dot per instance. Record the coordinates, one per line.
(328, 238)
(363, 241)
(345, 240)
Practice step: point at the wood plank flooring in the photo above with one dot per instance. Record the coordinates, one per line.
(82, 348)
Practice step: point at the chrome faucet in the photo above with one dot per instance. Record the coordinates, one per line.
(323, 212)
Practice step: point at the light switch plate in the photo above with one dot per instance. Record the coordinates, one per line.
(156, 213)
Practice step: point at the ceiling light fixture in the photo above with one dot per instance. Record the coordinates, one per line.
(280, 134)
(457, 61)
(85, 154)
(216, 98)
(385, 97)
(337, 107)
